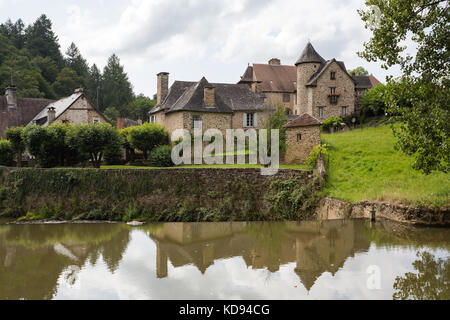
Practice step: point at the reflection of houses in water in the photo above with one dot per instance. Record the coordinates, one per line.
(316, 247)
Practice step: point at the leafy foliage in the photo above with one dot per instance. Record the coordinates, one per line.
(147, 137)
(359, 71)
(6, 153)
(373, 101)
(161, 157)
(15, 136)
(315, 153)
(418, 99)
(331, 123)
(278, 120)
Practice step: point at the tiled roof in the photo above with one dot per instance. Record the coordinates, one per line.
(303, 121)
(366, 82)
(189, 96)
(276, 78)
(26, 110)
(248, 75)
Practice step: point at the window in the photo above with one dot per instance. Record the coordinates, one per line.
(344, 111)
(288, 111)
(286, 97)
(152, 119)
(96, 120)
(196, 121)
(299, 137)
(332, 90)
(333, 96)
(333, 75)
(250, 120)
(321, 109)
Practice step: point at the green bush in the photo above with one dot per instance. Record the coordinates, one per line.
(331, 123)
(161, 157)
(315, 153)
(147, 137)
(6, 153)
(15, 136)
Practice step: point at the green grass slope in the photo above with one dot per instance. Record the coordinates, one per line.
(365, 166)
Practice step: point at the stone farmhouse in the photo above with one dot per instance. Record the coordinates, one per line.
(189, 105)
(75, 109)
(314, 86)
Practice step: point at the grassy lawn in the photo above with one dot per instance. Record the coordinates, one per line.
(218, 166)
(365, 166)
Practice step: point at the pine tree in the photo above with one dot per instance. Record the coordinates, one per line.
(93, 87)
(76, 62)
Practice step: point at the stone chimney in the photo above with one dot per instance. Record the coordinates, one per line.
(209, 96)
(51, 115)
(120, 123)
(11, 97)
(274, 62)
(163, 87)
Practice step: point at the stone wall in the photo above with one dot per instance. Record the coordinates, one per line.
(275, 98)
(298, 151)
(304, 73)
(331, 209)
(161, 195)
(80, 112)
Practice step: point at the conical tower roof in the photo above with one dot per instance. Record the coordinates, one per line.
(309, 54)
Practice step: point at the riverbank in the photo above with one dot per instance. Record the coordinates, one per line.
(169, 195)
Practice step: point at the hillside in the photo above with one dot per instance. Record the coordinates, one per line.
(364, 165)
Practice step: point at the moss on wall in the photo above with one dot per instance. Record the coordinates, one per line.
(157, 195)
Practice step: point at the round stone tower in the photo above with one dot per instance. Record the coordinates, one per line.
(307, 65)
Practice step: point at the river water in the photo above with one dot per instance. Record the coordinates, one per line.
(341, 259)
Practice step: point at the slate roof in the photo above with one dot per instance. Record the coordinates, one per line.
(189, 96)
(248, 75)
(60, 106)
(303, 121)
(27, 109)
(309, 54)
(324, 66)
(366, 82)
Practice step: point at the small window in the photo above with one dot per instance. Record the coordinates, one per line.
(333, 90)
(296, 112)
(152, 119)
(333, 75)
(196, 122)
(288, 111)
(286, 97)
(96, 120)
(321, 109)
(299, 137)
(344, 111)
(250, 120)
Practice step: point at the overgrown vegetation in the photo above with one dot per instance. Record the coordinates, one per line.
(364, 165)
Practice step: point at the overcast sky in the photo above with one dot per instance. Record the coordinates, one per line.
(195, 38)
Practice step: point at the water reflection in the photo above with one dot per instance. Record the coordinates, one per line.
(328, 259)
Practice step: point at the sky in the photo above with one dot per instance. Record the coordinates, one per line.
(195, 38)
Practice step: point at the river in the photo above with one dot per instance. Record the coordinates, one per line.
(339, 259)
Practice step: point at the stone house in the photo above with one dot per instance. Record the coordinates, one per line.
(302, 135)
(363, 84)
(75, 109)
(189, 105)
(16, 111)
(315, 86)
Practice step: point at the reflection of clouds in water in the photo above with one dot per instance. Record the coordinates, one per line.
(230, 278)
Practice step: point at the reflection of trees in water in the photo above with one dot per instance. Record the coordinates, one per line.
(34, 257)
(431, 282)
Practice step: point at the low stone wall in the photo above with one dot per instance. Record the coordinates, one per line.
(157, 194)
(330, 209)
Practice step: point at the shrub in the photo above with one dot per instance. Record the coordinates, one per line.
(161, 157)
(315, 153)
(15, 137)
(147, 137)
(6, 153)
(331, 123)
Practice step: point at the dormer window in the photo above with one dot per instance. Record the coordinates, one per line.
(333, 75)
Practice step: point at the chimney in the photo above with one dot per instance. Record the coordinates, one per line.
(274, 62)
(163, 87)
(209, 96)
(11, 97)
(139, 121)
(120, 123)
(51, 115)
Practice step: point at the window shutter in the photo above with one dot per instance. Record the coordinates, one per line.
(244, 123)
(255, 120)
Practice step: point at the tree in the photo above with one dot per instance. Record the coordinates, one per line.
(359, 71)
(111, 114)
(419, 99)
(373, 100)
(139, 108)
(6, 153)
(93, 140)
(93, 87)
(76, 62)
(14, 32)
(49, 69)
(66, 82)
(40, 40)
(15, 136)
(147, 137)
(117, 90)
(34, 138)
(277, 121)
